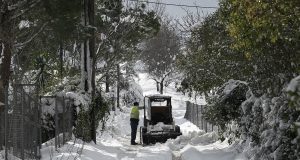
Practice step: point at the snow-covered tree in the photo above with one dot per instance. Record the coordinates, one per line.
(121, 29)
(209, 60)
(160, 54)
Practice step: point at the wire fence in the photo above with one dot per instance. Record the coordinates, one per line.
(60, 111)
(22, 122)
(194, 113)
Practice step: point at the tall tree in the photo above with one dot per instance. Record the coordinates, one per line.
(120, 30)
(88, 59)
(160, 54)
(21, 23)
(88, 48)
(209, 60)
(11, 11)
(267, 32)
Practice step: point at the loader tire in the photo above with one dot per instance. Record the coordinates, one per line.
(177, 129)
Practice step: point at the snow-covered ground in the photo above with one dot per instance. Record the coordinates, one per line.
(114, 143)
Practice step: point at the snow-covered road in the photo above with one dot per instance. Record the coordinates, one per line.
(113, 144)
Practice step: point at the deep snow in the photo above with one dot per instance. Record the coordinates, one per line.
(114, 143)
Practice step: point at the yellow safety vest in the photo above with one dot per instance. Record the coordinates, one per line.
(134, 112)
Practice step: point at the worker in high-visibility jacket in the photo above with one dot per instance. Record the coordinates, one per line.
(134, 121)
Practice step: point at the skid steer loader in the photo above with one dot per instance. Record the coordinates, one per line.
(158, 121)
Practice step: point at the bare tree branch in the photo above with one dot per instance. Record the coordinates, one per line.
(20, 45)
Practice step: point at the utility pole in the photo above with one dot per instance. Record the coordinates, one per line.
(91, 16)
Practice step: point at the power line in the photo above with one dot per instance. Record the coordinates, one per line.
(178, 5)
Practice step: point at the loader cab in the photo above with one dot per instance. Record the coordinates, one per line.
(158, 122)
(158, 108)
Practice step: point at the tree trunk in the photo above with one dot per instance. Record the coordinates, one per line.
(88, 60)
(91, 15)
(84, 57)
(91, 64)
(157, 86)
(6, 41)
(107, 82)
(161, 91)
(84, 68)
(6, 61)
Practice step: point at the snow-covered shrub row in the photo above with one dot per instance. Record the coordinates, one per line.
(69, 88)
(266, 125)
(293, 91)
(266, 128)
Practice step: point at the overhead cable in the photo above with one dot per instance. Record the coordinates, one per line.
(178, 5)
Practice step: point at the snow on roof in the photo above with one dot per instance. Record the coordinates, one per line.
(157, 96)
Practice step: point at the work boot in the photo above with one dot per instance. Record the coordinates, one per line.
(134, 143)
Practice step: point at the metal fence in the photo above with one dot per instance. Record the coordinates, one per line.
(21, 122)
(62, 113)
(2, 119)
(194, 113)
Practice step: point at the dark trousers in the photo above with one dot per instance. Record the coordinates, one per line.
(134, 124)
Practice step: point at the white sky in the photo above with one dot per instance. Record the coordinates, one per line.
(179, 12)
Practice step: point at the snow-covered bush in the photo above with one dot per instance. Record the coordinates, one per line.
(82, 128)
(293, 91)
(82, 125)
(82, 104)
(224, 107)
(265, 125)
(266, 128)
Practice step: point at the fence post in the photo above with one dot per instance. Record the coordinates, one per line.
(22, 124)
(56, 125)
(6, 122)
(63, 119)
(39, 107)
(194, 115)
(197, 115)
(187, 112)
(70, 108)
(205, 126)
(192, 110)
(202, 123)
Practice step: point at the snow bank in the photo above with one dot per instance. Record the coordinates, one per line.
(208, 153)
(206, 146)
(9, 156)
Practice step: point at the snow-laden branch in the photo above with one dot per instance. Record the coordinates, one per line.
(16, 5)
(22, 4)
(20, 45)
